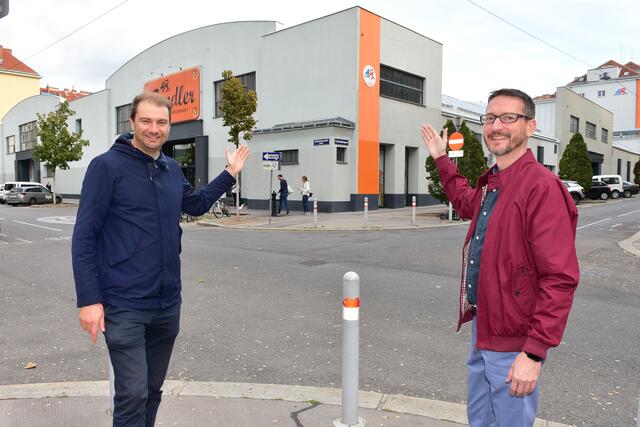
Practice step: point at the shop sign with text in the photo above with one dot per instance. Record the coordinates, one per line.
(183, 90)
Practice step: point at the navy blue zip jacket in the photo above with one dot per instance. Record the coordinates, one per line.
(126, 241)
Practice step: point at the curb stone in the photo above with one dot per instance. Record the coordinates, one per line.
(436, 409)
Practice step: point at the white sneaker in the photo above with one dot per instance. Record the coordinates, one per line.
(241, 206)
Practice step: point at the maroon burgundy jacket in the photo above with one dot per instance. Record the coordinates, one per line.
(528, 268)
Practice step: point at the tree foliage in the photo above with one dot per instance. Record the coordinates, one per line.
(636, 173)
(471, 165)
(575, 164)
(238, 106)
(58, 145)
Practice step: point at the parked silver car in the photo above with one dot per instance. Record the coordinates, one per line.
(30, 196)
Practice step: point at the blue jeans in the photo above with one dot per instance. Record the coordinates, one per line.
(283, 203)
(489, 402)
(305, 203)
(140, 343)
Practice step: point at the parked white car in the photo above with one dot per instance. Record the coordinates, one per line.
(614, 182)
(576, 190)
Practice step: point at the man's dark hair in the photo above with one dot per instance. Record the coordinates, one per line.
(529, 106)
(153, 98)
(279, 175)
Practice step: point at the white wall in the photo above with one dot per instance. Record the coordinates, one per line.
(21, 113)
(94, 112)
(400, 122)
(236, 46)
(623, 107)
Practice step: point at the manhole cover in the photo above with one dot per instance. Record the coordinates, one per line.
(314, 262)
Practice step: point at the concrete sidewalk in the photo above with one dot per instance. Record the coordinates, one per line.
(381, 219)
(196, 404)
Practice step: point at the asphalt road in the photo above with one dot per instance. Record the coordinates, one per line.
(264, 306)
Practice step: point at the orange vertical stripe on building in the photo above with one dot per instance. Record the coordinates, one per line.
(637, 104)
(368, 105)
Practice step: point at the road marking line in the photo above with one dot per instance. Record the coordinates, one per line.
(22, 240)
(594, 223)
(35, 225)
(629, 213)
(616, 225)
(3, 235)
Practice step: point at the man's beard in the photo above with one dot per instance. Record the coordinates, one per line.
(515, 141)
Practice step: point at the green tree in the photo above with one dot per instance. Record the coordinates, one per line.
(575, 164)
(636, 173)
(238, 106)
(471, 165)
(58, 146)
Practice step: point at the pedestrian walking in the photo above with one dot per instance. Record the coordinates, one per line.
(305, 190)
(284, 195)
(126, 253)
(519, 263)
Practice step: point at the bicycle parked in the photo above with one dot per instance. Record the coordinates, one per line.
(219, 209)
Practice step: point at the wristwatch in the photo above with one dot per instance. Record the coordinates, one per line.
(534, 357)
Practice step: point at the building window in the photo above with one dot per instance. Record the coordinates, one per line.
(619, 172)
(248, 82)
(123, 125)
(601, 93)
(11, 144)
(288, 157)
(555, 148)
(400, 85)
(574, 124)
(341, 154)
(604, 136)
(541, 155)
(628, 170)
(591, 130)
(28, 136)
(48, 173)
(78, 125)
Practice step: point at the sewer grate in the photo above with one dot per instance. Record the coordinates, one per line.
(314, 262)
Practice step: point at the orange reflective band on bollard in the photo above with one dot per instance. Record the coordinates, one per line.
(351, 302)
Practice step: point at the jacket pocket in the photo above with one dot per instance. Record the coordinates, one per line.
(523, 291)
(120, 247)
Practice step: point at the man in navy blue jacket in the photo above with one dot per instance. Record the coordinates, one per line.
(126, 253)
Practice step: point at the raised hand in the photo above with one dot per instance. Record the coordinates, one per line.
(436, 145)
(235, 160)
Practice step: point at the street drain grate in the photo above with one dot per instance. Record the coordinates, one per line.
(314, 262)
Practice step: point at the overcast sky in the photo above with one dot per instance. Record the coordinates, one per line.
(481, 52)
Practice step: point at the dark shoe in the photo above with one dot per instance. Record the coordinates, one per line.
(287, 212)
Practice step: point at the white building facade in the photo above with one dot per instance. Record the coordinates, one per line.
(342, 98)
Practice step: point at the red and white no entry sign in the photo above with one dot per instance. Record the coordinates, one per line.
(456, 141)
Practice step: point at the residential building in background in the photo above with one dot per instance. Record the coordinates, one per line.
(68, 94)
(616, 87)
(17, 81)
(564, 113)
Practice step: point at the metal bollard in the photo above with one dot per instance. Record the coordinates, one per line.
(350, 351)
(315, 213)
(366, 211)
(413, 210)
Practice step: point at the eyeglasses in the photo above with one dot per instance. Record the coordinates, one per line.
(505, 118)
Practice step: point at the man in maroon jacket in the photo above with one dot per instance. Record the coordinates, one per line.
(519, 264)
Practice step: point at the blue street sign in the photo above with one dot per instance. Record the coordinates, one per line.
(269, 155)
(323, 141)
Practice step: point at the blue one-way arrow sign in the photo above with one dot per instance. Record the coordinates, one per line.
(269, 155)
